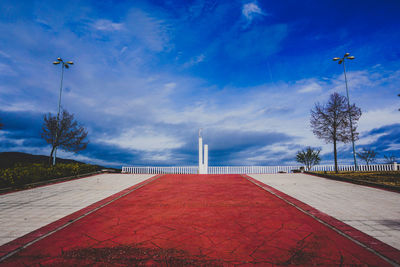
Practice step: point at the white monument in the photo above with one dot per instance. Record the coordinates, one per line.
(203, 166)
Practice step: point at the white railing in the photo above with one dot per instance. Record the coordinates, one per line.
(161, 170)
(250, 169)
(254, 169)
(362, 168)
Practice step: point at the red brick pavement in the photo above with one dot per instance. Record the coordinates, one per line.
(205, 220)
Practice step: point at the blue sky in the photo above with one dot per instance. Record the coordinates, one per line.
(148, 74)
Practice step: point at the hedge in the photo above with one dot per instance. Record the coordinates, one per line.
(20, 175)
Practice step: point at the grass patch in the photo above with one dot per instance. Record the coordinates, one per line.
(22, 174)
(391, 178)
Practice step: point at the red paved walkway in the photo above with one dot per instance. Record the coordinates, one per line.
(196, 220)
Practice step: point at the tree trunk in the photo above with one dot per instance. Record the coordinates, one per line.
(335, 155)
(51, 155)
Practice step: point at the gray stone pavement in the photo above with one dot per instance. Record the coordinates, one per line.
(375, 212)
(25, 211)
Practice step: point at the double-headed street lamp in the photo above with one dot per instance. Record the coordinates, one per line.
(63, 65)
(342, 60)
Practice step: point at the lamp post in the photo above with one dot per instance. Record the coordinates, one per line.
(63, 65)
(342, 60)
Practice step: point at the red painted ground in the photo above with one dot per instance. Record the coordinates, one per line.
(206, 220)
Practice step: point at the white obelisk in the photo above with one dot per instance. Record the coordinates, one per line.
(200, 153)
(203, 166)
(205, 159)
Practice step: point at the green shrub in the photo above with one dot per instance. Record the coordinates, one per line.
(25, 174)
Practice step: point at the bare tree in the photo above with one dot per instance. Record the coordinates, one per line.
(389, 159)
(309, 157)
(367, 155)
(331, 123)
(66, 134)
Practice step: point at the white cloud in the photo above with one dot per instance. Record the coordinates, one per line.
(6, 70)
(107, 25)
(20, 106)
(140, 102)
(250, 10)
(147, 140)
(152, 31)
(170, 85)
(4, 54)
(309, 86)
(82, 158)
(365, 140)
(376, 118)
(393, 147)
(194, 61)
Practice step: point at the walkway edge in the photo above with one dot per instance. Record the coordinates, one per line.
(12, 247)
(390, 188)
(10, 190)
(383, 250)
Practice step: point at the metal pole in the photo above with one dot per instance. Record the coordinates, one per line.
(351, 121)
(58, 113)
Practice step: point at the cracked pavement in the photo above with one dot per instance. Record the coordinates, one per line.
(373, 211)
(27, 210)
(212, 220)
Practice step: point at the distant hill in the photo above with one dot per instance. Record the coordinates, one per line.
(9, 159)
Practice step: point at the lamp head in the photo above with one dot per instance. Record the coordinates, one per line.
(351, 57)
(59, 59)
(347, 54)
(66, 66)
(336, 58)
(56, 62)
(340, 61)
(70, 62)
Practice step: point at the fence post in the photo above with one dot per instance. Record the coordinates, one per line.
(395, 166)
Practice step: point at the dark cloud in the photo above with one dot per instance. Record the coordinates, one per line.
(17, 121)
(118, 83)
(382, 145)
(393, 128)
(109, 153)
(227, 147)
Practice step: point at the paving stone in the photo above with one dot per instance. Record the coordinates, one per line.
(375, 208)
(196, 220)
(24, 211)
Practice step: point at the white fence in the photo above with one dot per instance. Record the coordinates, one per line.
(160, 170)
(362, 168)
(254, 169)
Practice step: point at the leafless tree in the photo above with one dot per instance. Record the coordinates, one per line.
(67, 134)
(367, 155)
(308, 157)
(331, 123)
(389, 159)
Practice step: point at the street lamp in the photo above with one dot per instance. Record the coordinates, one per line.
(342, 60)
(63, 65)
